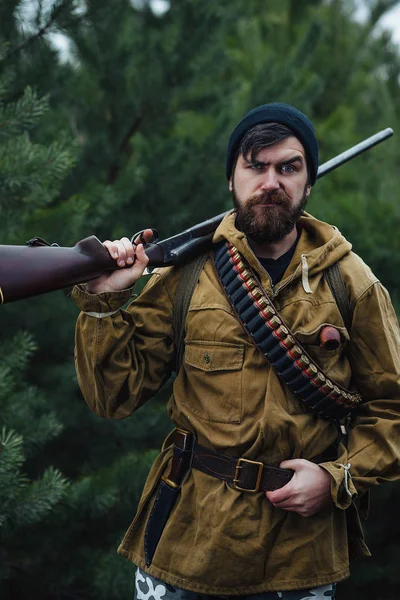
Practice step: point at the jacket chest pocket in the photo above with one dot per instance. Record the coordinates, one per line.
(328, 360)
(214, 380)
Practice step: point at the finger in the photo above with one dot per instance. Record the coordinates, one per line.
(141, 257)
(295, 464)
(286, 508)
(280, 495)
(287, 504)
(145, 236)
(112, 248)
(122, 253)
(119, 249)
(129, 249)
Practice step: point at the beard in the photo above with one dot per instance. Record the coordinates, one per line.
(268, 224)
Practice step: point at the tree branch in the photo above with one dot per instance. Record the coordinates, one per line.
(115, 168)
(26, 43)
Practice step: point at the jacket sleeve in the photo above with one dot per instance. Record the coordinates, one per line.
(123, 357)
(373, 446)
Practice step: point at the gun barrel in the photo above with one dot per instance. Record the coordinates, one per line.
(347, 155)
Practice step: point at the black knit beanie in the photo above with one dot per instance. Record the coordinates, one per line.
(284, 114)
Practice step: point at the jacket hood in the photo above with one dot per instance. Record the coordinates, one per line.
(319, 245)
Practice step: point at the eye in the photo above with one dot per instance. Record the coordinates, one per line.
(288, 168)
(256, 166)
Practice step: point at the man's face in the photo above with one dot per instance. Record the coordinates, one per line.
(270, 193)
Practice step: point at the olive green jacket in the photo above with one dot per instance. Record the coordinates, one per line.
(219, 540)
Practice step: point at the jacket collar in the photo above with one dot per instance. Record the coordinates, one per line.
(319, 246)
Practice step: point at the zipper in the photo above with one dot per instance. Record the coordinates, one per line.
(280, 287)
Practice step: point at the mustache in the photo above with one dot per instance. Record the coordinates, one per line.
(275, 197)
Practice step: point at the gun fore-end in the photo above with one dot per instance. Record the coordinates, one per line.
(27, 271)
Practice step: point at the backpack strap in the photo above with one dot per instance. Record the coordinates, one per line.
(337, 286)
(188, 280)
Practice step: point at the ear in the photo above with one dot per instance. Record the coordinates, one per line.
(308, 190)
(230, 184)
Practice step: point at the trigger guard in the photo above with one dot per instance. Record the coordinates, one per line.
(154, 237)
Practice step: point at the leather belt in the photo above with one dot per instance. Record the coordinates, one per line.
(241, 474)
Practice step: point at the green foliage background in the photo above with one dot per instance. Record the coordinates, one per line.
(131, 132)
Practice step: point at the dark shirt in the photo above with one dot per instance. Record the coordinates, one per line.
(276, 268)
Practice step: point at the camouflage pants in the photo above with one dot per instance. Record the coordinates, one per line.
(150, 588)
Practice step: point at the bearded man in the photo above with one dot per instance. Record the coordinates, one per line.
(254, 493)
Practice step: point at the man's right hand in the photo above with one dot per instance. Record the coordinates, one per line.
(125, 253)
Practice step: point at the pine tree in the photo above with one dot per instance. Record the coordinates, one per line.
(25, 498)
(29, 176)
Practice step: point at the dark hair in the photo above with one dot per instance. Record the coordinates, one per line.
(261, 136)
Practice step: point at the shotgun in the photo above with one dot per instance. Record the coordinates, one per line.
(38, 267)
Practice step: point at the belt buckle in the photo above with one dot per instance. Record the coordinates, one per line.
(178, 467)
(259, 475)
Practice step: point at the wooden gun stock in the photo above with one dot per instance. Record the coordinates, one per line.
(37, 269)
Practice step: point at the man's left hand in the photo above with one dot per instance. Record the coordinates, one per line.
(307, 492)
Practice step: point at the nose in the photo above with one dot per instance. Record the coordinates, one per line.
(270, 180)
